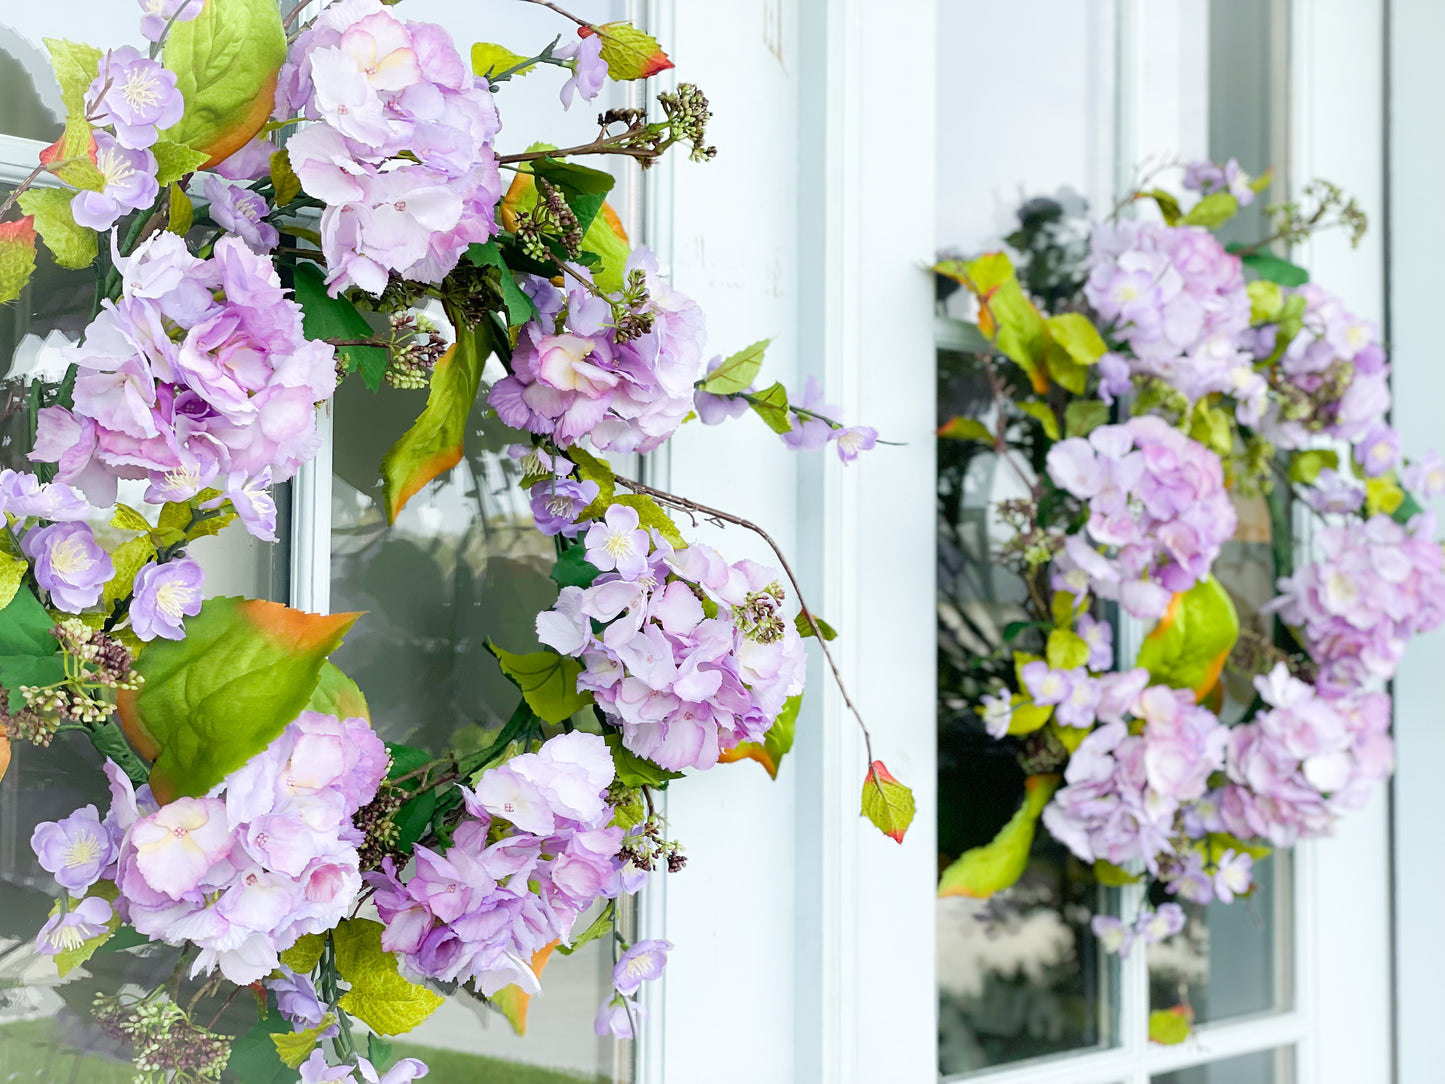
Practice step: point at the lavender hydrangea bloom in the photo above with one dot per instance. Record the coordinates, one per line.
(241, 212)
(1176, 297)
(164, 596)
(135, 96)
(589, 70)
(67, 932)
(1156, 498)
(618, 543)
(1379, 452)
(130, 184)
(557, 504)
(68, 564)
(75, 850)
(158, 13)
(641, 963)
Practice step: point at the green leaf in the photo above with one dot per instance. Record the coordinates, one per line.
(76, 66)
(71, 244)
(1213, 210)
(1043, 414)
(226, 61)
(1083, 416)
(776, 743)
(212, 701)
(254, 1058)
(573, 569)
(1383, 495)
(634, 770)
(805, 629)
(327, 317)
(17, 257)
(1265, 301)
(1219, 842)
(961, 428)
(1213, 428)
(29, 654)
(1168, 1027)
(1188, 647)
(548, 682)
(584, 189)
(128, 558)
(336, 694)
(771, 404)
(305, 954)
(1067, 650)
(379, 997)
(1168, 205)
(1106, 873)
(1064, 370)
(1006, 313)
(1407, 510)
(128, 519)
(489, 59)
(283, 178)
(180, 212)
(1272, 268)
(1062, 608)
(175, 160)
(413, 819)
(433, 445)
(70, 959)
(887, 802)
(296, 1047)
(12, 574)
(1078, 336)
(650, 514)
(1028, 717)
(630, 53)
(1305, 466)
(983, 871)
(520, 308)
(378, 1051)
(737, 372)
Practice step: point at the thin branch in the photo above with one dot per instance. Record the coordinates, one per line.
(606, 145)
(21, 187)
(719, 516)
(560, 11)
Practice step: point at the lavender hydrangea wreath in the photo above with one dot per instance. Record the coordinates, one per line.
(259, 835)
(1176, 379)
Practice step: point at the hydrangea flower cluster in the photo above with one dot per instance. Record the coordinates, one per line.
(1377, 584)
(683, 686)
(1124, 790)
(1178, 300)
(536, 849)
(1302, 761)
(574, 375)
(315, 1070)
(1151, 927)
(1156, 499)
(268, 855)
(1331, 379)
(403, 155)
(199, 376)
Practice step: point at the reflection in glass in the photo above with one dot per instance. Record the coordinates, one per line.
(462, 564)
(1020, 975)
(1230, 960)
(1266, 1067)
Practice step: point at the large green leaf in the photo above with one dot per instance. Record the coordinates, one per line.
(327, 317)
(433, 445)
(634, 770)
(1005, 312)
(212, 701)
(379, 997)
(69, 156)
(738, 371)
(336, 694)
(996, 865)
(29, 654)
(1188, 647)
(1215, 209)
(548, 682)
(520, 307)
(631, 53)
(71, 244)
(585, 189)
(226, 61)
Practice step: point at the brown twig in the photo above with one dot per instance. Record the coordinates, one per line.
(21, 187)
(606, 145)
(719, 516)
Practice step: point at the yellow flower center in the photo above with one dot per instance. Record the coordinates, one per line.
(69, 557)
(82, 851)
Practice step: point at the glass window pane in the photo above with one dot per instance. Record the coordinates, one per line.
(462, 563)
(1265, 1067)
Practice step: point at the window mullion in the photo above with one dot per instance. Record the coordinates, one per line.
(311, 524)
